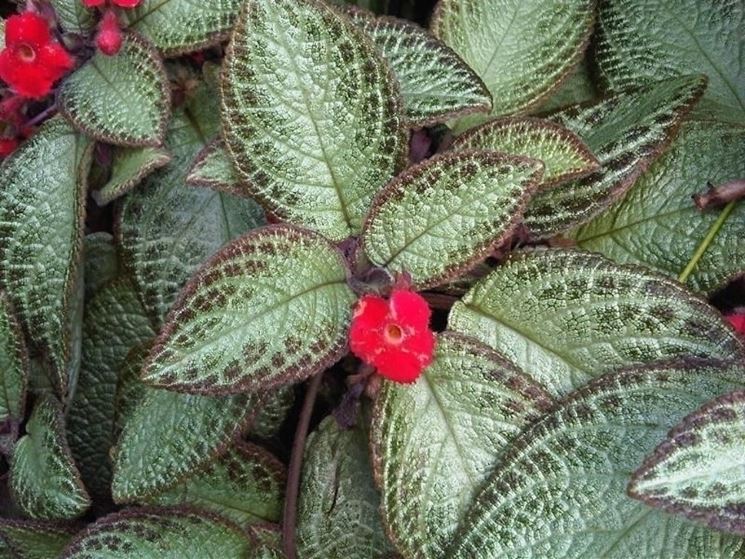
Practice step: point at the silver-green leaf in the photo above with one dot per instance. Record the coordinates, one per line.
(435, 442)
(439, 218)
(559, 491)
(129, 167)
(101, 262)
(73, 16)
(311, 114)
(122, 99)
(14, 373)
(32, 539)
(277, 279)
(213, 168)
(568, 317)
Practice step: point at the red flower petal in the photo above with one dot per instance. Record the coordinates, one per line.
(29, 80)
(410, 309)
(398, 366)
(7, 146)
(126, 3)
(55, 59)
(371, 311)
(738, 321)
(109, 38)
(26, 28)
(422, 343)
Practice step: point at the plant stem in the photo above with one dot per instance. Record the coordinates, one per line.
(43, 115)
(289, 517)
(703, 247)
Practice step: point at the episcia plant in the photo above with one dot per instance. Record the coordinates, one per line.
(286, 278)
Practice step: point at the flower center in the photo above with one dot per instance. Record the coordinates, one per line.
(26, 52)
(393, 334)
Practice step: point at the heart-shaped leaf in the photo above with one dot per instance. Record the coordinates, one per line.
(43, 477)
(31, 539)
(101, 263)
(521, 49)
(442, 216)
(434, 443)
(626, 133)
(179, 26)
(310, 114)
(247, 485)
(161, 533)
(213, 168)
(564, 154)
(278, 279)
(42, 212)
(338, 512)
(642, 41)
(568, 317)
(14, 371)
(114, 322)
(559, 491)
(73, 16)
(657, 223)
(128, 168)
(698, 471)
(122, 99)
(436, 84)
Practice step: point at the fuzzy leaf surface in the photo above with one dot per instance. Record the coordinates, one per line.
(161, 533)
(213, 168)
(122, 99)
(642, 41)
(521, 49)
(179, 26)
(268, 542)
(338, 512)
(436, 84)
(627, 133)
(564, 154)
(42, 213)
(14, 369)
(435, 442)
(568, 317)
(128, 168)
(559, 491)
(30, 539)
(246, 485)
(310, 114)
(101, 264)
(698, 470)
(657, 223)
(276, 406)
(43, 477)
(440, 217)
(73, 16)
(277, 279)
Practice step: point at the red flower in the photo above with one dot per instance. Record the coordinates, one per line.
(93, 3)
(7, 146)
(394, 335)
(109, 38)
(126, 3)
(738, 321)
(31, 61)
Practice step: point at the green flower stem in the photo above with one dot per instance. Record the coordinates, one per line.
(702, 248)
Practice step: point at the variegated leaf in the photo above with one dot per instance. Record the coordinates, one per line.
(564, 154)
(657, 223)
(274, 412)
(559, 491)
(522, 49)
(641, 41)
(626, 132)
(568, 317)
(73, 16)
(42, 213)
(179, 26)
(338, 512)
(43, 477)
(699, 470)
(434, 443)
(246, 485)
(162, 533)
(442, 216)
(213, 168)
(128, 168)
(311, 114)
(436, 84)
(31, 539)
(579, 87)
(14, 372)
(278, 279)
(122, 99)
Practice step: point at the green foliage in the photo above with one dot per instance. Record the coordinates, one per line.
(30, 539)
(128, 168)
(14, 371)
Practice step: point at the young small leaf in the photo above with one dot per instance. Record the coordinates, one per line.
(699, 470)
(162, 533)
(246, 485)
(626, 132)
(436, 84)
(521, 49)
(213, 168)
(128, 168)
(278, 279)
(658, 225)
(564, 154)
(434, 443)
(179, 26)
(42, 213)
(43, 477)
(122, 99)
(568, 317)
(31, 539)
(559, 491)
(14, 372)
(442, 216)
(641, 41)
(338, 512)
(310, 114)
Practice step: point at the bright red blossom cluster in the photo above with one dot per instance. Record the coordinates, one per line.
(393, 335)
